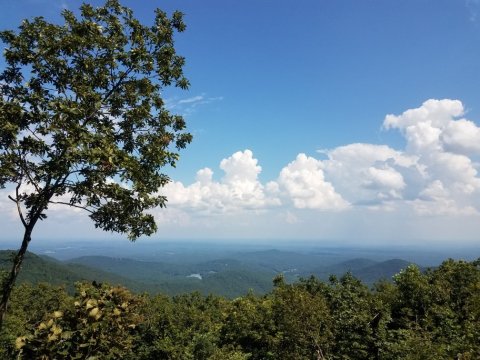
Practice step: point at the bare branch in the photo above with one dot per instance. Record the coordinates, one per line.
(25, 171)
(17, 201)
(33, 133)
(72, 205)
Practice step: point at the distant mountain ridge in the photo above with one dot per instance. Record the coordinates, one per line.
(229, 277)
(367, 270)
(43, 268)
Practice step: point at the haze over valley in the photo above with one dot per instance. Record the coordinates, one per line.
(228, 269)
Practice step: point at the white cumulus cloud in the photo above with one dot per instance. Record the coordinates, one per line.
(304, 183)
(370, 174)
(238, 189)
(429, 186)
(443, 143)
(433, 175)
(462, 136)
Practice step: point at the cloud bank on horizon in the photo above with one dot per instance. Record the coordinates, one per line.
(434, 174)
(427, 188)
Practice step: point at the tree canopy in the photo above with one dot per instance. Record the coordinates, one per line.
(82, 118)
(420, 315)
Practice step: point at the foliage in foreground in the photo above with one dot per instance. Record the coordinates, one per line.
(83, 122)
(432, 315)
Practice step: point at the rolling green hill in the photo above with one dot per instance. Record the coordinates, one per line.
(226, 277)
(230, 277)
(37, 269)
(140, 276)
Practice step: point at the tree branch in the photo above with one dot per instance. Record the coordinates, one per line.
(19, 208)
(72, 205)
(24, 167)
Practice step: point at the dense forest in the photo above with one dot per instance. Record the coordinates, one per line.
(230, 276)
(433, 314)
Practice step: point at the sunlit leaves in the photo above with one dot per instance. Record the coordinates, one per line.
(100, 324)
(81, 112)
(422, 315)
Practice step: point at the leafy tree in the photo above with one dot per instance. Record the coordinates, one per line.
(355, 316)
(250, 326)
(434, 315)
(413, 302)
(454, 318)
(185, 327)
(28, 307)
(82, 120)
(101, 324)
(421, 315)
(302, 322)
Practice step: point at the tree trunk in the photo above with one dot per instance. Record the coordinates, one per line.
(10, 280)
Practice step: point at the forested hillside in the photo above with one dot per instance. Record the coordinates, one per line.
(421, 315)
(38, 269)
(230, 277)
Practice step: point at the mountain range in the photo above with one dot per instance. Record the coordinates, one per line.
(231, 277)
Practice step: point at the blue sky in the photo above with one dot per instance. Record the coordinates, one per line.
(289, 109)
